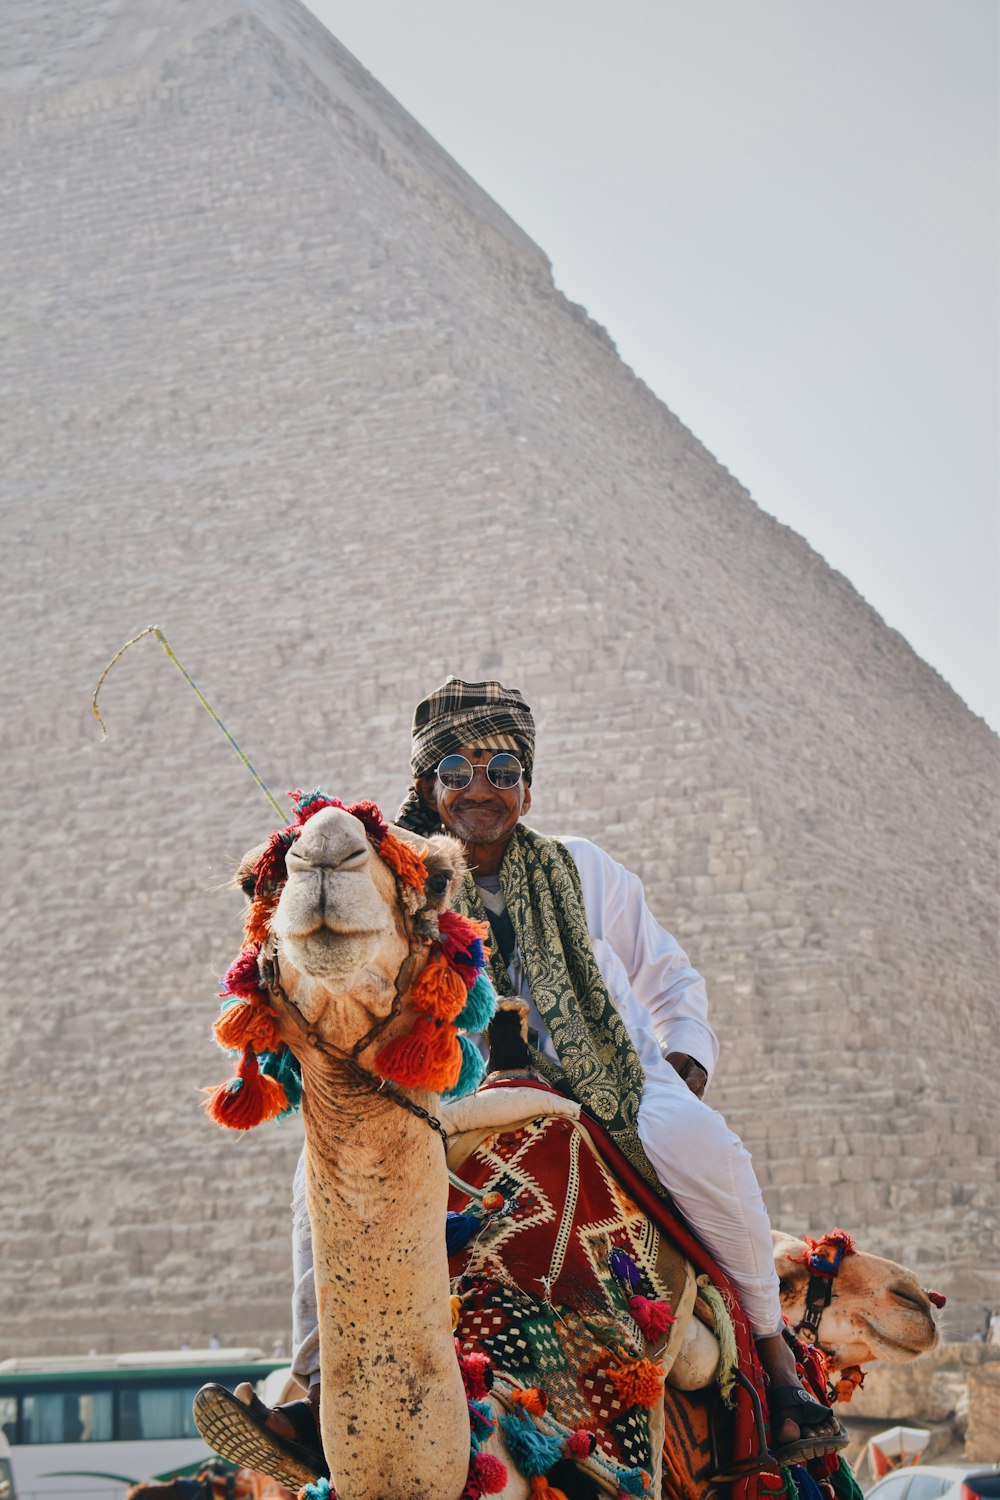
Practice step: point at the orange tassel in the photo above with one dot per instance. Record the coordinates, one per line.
(530, 1399)
(439, 991)
(405, 860)
(258, 919)
(456, 1312)
(427, 1057)
(639, 1383)
(248, 1098)
(247, 1025)
(446, 1059)
(542, 1490)
(851, 1376)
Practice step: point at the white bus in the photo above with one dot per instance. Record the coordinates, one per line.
(91, 1426)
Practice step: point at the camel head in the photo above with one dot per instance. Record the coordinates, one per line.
(878, 1309)
(352, 953)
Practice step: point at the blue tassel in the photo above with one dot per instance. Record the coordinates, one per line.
(480, 1006)
(531, 1451)
(482, 1422)
(472, 1071)
(459, 1229)
(631, 1481)
(319, 1491)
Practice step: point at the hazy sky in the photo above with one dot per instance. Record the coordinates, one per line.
(785, 212)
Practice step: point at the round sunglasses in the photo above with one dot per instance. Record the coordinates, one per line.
(503, 770)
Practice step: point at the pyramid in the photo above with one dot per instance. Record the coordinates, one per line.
(289, 384)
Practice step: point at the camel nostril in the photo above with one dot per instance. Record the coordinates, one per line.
(909, 1299)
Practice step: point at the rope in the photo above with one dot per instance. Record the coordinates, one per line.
(158, 633)
(726, 1334)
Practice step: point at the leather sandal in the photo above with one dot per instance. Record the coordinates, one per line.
(239, 1431)
(792, 1402)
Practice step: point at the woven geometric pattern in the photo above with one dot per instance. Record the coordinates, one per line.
(539, 1295)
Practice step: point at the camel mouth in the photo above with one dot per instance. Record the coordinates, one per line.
(888, 1346)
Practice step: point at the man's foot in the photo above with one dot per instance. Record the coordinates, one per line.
(282, 1441)
(801, 1427)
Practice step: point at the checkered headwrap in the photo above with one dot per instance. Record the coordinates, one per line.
(471, 713)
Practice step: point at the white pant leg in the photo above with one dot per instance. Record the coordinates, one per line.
(305, 1312)
(708, 1172)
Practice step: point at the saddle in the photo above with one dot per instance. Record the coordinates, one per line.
(557, 1250)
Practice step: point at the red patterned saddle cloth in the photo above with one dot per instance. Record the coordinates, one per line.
(543, 1292)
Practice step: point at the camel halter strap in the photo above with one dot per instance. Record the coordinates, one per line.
(270, 973)
(822, 1259)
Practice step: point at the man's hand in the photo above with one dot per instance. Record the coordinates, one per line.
(692, 1072)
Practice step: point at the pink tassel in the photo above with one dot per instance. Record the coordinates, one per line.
(653, 1318)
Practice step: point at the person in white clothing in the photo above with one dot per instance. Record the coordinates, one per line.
(574, 937)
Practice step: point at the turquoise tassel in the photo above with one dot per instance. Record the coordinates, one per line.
(630, 1480)
(531, 1451)
(482, 1422)
(284, 1066)
(319, 1491)
(472, 1072)
(480, 1005)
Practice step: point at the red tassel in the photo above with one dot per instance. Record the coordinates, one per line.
(370, 815)
(581, 1444)
(243, 977)
(653, 1318)
(458, 933)
(439, 991)
(477, 1375)
(248, 1098)
(489, 1472)
(247, 1025)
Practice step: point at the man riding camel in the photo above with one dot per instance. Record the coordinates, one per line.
(617, 1017)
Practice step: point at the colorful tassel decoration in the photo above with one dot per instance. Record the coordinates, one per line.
(633, 1481)
(850, 1379)
(542, 1490)
(459, 1230)
(625, 1268)
(638, 1383)
(652, 1317)
(488, 1472)
(480, 1005)
(530, 1399)
(248, 1098)
(404, 860)
(472, 1071)
(482, 1422)
(243, 976)
(283, 1066)
(439, 991)
(477, 1375)
(247, 1025)
(258, 919)
(581, 1444)
(532, 1452)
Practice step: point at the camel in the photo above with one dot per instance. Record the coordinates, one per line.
(343, 945)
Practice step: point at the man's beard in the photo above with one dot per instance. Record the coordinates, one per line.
(477, 831)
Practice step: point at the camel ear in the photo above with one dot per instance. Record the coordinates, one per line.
(790, 1265)
(244, 875)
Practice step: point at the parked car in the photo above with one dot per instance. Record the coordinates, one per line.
(938, 1482)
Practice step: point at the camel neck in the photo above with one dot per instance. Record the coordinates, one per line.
(377, 1187)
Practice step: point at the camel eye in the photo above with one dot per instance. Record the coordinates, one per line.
(248, 886)
(437, 884)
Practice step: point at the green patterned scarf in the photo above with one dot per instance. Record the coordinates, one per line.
(599, 1065)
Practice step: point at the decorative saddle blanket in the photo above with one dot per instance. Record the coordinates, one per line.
(557, 1263)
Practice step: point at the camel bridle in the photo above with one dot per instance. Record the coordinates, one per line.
(366, 1081)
